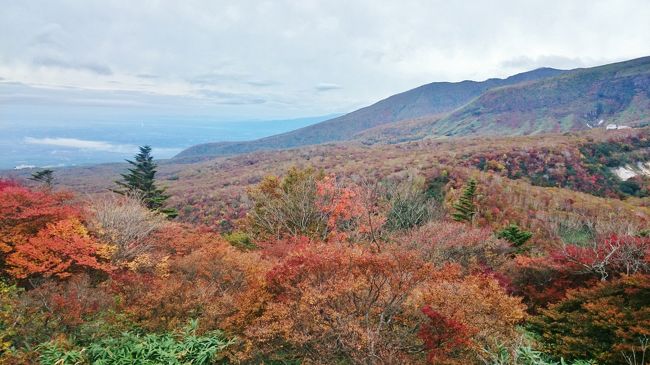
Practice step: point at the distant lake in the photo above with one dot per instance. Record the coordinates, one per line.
(45, 140)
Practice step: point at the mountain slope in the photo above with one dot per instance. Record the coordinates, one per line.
(580, 99)
(426, 100)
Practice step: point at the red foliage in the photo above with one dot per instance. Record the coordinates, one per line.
(4, 183)
(442, 336)
(610, 256)
(23, 212)
(283, 247)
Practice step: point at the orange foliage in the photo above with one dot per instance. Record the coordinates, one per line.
(327, 302)
(59, 250)
(205, 280)
(480, 305)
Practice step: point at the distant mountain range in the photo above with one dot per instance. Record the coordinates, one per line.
(538, 101)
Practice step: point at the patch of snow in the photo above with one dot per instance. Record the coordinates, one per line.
(626, 172)
(614, 126)
(601, 121)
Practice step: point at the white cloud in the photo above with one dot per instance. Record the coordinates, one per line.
(269, 59)
(82, 144)
(101, 146)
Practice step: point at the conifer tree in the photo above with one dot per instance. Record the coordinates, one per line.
(465, 208)
(514, 235)
(140, 180)
(44, 176)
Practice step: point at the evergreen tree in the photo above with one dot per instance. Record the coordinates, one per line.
(44, 176)
(465, 208)
(514, 235)
(140, 180)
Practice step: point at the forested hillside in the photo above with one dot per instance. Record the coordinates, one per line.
(499, 250)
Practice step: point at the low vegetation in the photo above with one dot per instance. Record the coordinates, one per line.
(414, 262)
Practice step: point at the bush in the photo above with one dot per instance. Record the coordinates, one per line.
(605, 322)
(125, 223)
(410, 206)
(240, 240)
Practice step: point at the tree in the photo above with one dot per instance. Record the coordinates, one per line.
(44, 176)
(287, 206)
(25, 212)
(514, 235)
(141, 181)
(465, 208)
(59, 250)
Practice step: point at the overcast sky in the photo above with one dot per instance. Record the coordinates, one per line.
(280, 59)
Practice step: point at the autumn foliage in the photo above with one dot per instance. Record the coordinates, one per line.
(58, 250)
(357, 263)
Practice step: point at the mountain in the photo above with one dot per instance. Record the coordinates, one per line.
(579, 99)
(426, 100)
(538, 101)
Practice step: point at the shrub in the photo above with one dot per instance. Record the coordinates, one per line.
(125, 223)
(410, 206)
(603, 322)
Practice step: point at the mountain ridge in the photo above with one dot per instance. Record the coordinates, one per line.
(428, 99)
(536, 101)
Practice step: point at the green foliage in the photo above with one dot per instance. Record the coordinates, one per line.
(8, 299)
(56, 353)
(465, 207)
(580, 235)
(240, 240)
(526, 355)
(184, 348)
(141, 181)
(514, 235)
(44, 176)
(436, 187)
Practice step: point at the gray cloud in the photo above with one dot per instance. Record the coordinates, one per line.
(270, 59)
(85, 66)
(226, 98)
(323, 86)
(148, 76)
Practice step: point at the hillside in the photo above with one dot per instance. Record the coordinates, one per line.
(580, 99)
(426, 100)
(543, 100)
(361, 233)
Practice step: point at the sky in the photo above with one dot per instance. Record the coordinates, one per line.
(253, 60)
